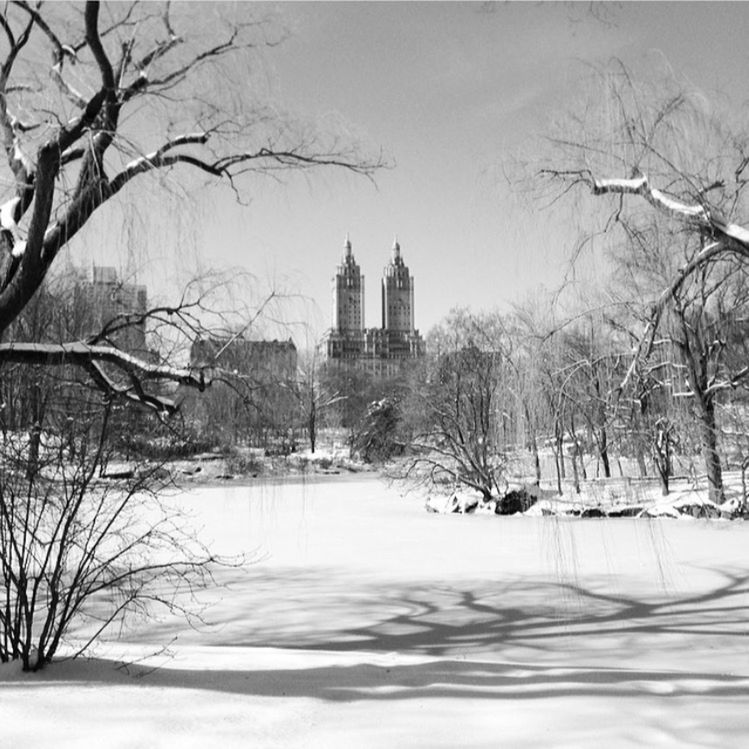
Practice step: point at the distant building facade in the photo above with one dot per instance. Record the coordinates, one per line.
(253, 399)
(259, 362)
(105, 300)
(383, 349)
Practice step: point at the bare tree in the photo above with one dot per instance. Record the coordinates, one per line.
(93, 100)
(455, 410)
(590, 375)
(314, 397)
(672, 150)
(553, 367)
(80, 552)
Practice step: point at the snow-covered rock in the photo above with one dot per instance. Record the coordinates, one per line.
(517, 500)
(732, 508)
(690, 505)
(487, 508)
(457, 502)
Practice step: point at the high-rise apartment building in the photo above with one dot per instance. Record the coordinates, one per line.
(383, 349)
(348, 300)
(397, 295)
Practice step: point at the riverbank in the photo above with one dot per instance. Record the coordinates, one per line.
(592, 498)
(250, 466)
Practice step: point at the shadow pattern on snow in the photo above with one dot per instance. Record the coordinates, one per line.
(433, 679)
(483, 618)
(462, 637)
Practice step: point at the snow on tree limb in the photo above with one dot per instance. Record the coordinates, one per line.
(136, 371)
(735, 232)
(700, 213)
(56, 190)
(80, 125)
(657, 198)
(76, 352)
(8, 212)
(662, 200)
(601, 186)
(665, 203)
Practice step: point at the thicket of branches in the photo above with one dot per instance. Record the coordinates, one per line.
(540, 396)
(667, 166)
(647, 366)
(81, 553)
(94, 100)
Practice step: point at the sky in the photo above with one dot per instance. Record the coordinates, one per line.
(450, 92)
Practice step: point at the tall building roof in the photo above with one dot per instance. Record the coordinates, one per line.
(395, 253)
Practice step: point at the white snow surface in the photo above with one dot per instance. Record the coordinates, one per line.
(364, 621)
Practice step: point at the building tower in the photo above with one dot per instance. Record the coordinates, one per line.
(397, 295)
(345, 340)
(348, 297)
(382, 350)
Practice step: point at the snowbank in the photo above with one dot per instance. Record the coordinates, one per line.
(601, 498)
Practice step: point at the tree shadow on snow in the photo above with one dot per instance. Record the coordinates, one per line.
(306, 611)
(432, 679)
(459, 640)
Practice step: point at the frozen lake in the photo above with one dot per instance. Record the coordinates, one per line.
(365, 621)
(331, 555)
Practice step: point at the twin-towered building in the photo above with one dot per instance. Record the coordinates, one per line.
(383, 349)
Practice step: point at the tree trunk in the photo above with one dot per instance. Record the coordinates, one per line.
(533, 446)
(557, 465)
(37, 408)
(574, 453)
(575, 474)
(662, 469)
(312, 427)
(32, 462)
(537, 463)
(641, 465)
(708, 437)
(603, 449)
(559, 440)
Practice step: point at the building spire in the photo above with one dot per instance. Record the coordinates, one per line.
(396, 251)
(347, 247)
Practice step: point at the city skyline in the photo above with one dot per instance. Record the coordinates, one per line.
(451, 92)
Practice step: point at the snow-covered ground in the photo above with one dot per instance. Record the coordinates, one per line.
(366, 622)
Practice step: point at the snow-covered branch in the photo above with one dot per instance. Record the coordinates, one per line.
(730, 383)
(701, 214)
(136, 371)
(144, 55)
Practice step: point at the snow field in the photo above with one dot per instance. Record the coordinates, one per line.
(365, 621)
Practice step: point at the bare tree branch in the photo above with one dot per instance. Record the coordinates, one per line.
(92, 357)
